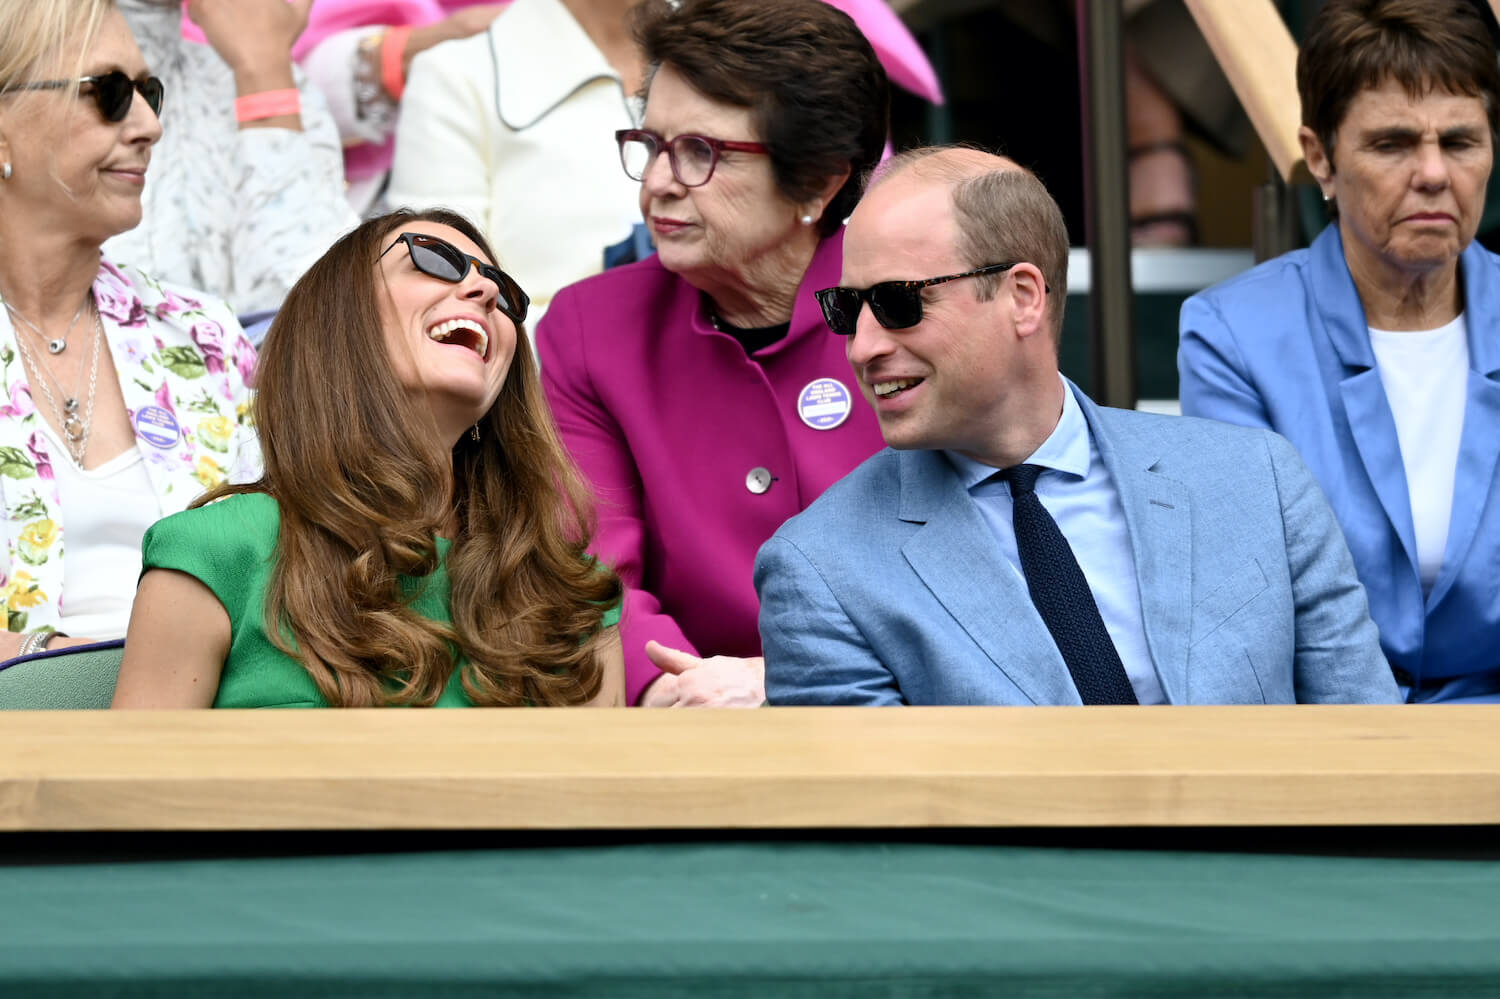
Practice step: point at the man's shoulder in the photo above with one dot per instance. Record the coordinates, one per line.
(1191, 448)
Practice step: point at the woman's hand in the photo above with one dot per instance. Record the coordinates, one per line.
(254, 37)
(717, 682)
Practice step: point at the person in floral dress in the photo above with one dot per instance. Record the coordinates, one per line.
(121, 398)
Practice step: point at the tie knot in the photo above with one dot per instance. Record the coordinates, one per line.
(1022, 478)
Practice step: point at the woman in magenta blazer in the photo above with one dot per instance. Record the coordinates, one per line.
(699, 389)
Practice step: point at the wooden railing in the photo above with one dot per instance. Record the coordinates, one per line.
(1256, 52)
(766, 769)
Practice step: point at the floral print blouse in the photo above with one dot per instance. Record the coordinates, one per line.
(185, 368)
(240, 213)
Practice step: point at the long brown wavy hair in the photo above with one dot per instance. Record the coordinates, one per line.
(366, 484)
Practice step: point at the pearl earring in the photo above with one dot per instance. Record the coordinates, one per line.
(807, 220)
(4, 171)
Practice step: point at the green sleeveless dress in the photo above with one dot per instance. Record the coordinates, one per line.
(230, 547)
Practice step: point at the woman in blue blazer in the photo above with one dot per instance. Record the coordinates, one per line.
(1377, 349)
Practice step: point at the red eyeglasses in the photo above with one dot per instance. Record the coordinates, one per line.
(693, 157)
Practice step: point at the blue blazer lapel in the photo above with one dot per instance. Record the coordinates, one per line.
(1479, 445)
(956, 557)
(1371, 425)
(1158, 513)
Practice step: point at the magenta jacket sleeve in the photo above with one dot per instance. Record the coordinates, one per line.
(598, 446)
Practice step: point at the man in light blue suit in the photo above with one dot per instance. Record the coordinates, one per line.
(1169, 560)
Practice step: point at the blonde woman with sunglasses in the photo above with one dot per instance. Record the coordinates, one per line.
(121, 398)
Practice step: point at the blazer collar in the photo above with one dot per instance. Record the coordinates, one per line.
(956, 557)
(1337, 302)
(1158, 515)
(541, 57)
(1371, 423)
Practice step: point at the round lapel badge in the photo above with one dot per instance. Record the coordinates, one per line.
(824, 403)
(157, 427)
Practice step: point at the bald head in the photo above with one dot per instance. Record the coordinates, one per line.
(950, 165)
(1001, 212)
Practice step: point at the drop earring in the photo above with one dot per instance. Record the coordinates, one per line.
(5, 171)
(474, 432)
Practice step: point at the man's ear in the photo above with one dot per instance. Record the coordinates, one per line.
(1027, 290)
(1319, 160)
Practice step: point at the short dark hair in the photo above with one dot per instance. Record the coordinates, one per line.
(817, 92)
(1353, 45)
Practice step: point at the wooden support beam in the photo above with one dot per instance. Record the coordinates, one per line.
(1256, 52)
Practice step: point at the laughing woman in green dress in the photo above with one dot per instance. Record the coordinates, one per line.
(419, 536)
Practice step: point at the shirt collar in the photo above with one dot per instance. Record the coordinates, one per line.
(542, 56)
(1065, 450)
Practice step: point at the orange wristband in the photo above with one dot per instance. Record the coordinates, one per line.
(392, 51)
(267, 104)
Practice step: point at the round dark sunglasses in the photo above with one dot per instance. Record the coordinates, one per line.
(896, 305)
(113, 92)
(446, 262)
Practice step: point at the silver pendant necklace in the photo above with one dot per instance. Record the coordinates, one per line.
(61, 344)
(75, 430)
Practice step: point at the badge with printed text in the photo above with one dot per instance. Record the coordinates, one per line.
(824, 403)
(157, 427)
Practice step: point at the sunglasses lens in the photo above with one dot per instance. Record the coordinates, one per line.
(113, 92)
(153, 90)
(840, 309)
(513, 301)
(896, 307)
(436, 258)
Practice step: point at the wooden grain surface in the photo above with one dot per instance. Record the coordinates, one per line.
(772, 768)
(1256, 52)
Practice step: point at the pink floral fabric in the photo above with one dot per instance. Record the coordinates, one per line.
(185, 369)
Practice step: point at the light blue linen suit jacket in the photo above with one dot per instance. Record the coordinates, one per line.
(891, 589)
(1286, 346)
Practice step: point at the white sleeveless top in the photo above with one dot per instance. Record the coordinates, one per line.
(107, 510)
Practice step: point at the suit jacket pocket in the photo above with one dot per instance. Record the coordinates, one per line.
(1227, 599)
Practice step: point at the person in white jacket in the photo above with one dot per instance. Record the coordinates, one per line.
(240, 199)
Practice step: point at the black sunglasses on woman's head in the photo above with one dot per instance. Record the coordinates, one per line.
(896, 305)
(441, 259)
(113, 92)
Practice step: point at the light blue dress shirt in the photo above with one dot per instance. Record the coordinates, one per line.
(1079, 493)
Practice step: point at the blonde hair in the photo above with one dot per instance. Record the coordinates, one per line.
(37, 37)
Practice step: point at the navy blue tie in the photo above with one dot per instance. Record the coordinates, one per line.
(1062, 597)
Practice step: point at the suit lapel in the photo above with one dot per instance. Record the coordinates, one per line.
(956, 557)
(1366, 407)
(1479, 445)
(1158, 515)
